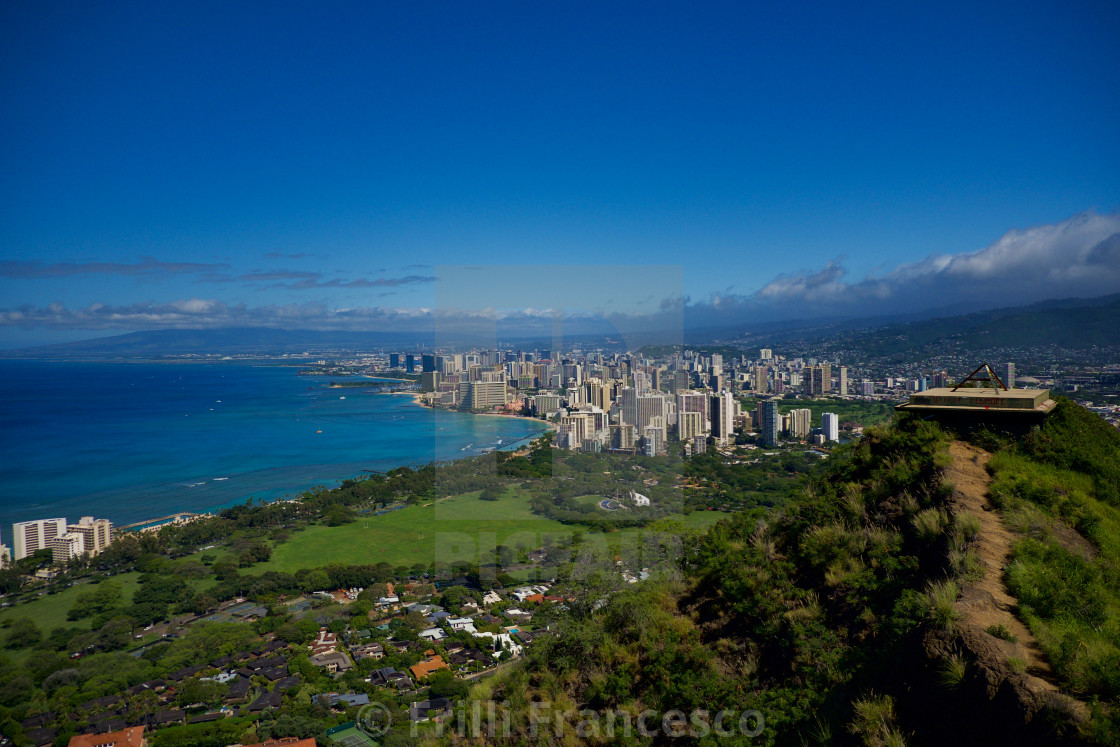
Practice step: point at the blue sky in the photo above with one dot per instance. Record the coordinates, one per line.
(200, 165)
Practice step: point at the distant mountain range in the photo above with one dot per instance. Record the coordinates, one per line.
(1070, 323)
(227, 341)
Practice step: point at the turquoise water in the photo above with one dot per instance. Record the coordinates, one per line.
(133, 441)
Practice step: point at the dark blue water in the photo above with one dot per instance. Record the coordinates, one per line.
(132, 441)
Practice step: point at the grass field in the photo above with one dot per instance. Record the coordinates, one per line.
(451, 530)
(49, 611)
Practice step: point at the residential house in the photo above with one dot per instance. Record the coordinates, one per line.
(324, 643)
(433, 634)
(389, 677)
(427, 666)
(424, 710)
(333, 661)
(266, 701)
(132, 736)
(367, 651)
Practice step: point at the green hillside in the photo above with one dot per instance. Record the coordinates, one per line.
(844, 618)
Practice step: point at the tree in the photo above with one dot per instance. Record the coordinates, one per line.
(23, 633)
(207, 692)
(224, 570)
(415, 621)
(98, 600)
(444, 684)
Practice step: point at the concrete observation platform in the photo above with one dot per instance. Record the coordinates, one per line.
(1004, 409)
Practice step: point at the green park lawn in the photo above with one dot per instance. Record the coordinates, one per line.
(450, 530)
(49, 611)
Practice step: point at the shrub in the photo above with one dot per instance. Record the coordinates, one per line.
(929, 524)
(874, 721)
(1001, 631)
(1017, 665)
(967, 526)
(942, 595)
(952, 672)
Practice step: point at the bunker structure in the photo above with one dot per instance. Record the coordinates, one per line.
(981, 402)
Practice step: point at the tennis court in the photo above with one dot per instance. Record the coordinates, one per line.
(352, 738)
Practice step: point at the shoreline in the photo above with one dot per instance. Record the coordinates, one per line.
(418, 398)
(119, 501)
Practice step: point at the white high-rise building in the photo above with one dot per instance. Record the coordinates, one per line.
(68, 546)
(830, 424)
(654, 436)
(765, 354)
(28, 537)
(800, 421)
(96, 533)
(1009, 375)
(843, 381)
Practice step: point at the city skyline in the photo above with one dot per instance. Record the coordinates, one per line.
(207, 168)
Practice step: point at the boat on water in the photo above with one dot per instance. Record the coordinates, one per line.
(466, 447)
(342, 398)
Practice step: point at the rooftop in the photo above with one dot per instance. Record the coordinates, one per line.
(1012, 400)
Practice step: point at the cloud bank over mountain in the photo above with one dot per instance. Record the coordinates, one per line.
(1078, 257)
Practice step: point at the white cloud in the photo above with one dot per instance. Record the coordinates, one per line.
(1079, 257)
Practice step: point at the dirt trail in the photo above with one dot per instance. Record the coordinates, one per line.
(988, 602)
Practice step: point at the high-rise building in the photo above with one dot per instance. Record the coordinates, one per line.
(544, 404)
(830, 425)
(480, 395)
(761, 379)
(623, 436)
(690, 425)
(770, 422)
(765, 354)
(867, 387)
(96, 533)
(654, 440)
(68, 546)
(410, 363)
(818, 379)
(430, 381)
(28, 537)
(394, 360)
(695, 402)
(723, 418)
(800, 422)
(843, 382)
(1009, 375)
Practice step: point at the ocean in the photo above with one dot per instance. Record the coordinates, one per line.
(134, 441)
